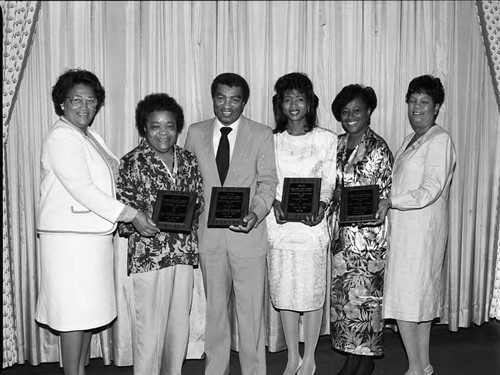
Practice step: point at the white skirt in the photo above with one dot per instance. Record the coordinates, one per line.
(77, 290)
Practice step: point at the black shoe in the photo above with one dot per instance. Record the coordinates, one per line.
(366, 366)
(350, 364)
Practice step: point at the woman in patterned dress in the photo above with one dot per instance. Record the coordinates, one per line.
(297, 253)
(160, 267)
(358, 256)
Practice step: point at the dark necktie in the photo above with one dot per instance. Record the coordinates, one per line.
(222, 157)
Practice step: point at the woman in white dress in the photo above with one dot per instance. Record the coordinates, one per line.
(418, 223)
(76, 220)
(297, 256)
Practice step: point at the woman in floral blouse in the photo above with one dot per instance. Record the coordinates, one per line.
(363, 158)
(161, 267)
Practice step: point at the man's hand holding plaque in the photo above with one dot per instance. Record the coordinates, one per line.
(249, 222)
(229, 209)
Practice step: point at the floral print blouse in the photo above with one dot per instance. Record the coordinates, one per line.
(142, 174)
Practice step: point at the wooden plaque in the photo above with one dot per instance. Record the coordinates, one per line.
(228, 206)
(358, 204)
(300, 197)
(173, 210)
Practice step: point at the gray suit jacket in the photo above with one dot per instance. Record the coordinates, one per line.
(252, 165)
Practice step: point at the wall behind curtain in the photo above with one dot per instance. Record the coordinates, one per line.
(136, 48)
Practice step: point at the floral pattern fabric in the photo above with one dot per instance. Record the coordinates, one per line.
(142, 175)
(358, 253)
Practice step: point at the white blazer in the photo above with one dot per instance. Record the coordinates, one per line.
(77, 186)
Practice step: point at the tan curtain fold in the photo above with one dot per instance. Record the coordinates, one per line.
(495, 293)
(488, 12)
(19, 20)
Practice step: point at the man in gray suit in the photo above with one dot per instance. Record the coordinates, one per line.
(234, 259)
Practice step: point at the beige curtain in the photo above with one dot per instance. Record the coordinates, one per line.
(18, 21)
(178, 47)
(488, 12)
(474, 223)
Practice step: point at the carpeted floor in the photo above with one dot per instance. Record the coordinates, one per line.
(470, 351)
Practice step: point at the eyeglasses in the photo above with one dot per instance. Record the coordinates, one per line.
(78, 100)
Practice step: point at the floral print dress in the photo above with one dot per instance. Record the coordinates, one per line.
(358, 253)
(142, 175)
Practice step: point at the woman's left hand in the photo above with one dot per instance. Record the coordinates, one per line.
(312, 220)
(383, 207)
(144, 225)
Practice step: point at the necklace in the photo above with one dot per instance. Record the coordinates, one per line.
(417, 136)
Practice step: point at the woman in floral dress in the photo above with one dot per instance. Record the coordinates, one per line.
(160, 267)
(358, 255)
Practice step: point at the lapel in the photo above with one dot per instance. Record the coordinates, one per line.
(208, 150)
(403, 151)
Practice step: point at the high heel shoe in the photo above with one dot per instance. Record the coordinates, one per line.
(313, 369)
(299, 366)
(429, 370)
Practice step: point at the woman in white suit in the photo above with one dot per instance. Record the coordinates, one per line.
(76, 220)
(418, 223)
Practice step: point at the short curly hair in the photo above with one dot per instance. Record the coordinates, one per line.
(301, 83)
(157, 102)
(69, 79)
(351, 92)
(429, 85)
(231, 80)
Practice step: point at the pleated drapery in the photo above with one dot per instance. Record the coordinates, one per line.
(178, 47)
(488, 12)
(18, 21)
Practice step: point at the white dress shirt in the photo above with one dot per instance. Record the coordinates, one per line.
(231, 136)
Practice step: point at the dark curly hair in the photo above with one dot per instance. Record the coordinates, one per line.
(231, 80)
(301, 83)
(428, 85)
(157, 102)
(351, 92)
(71, 78)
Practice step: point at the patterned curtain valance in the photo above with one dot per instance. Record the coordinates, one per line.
(19, 18)
(488, 12)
